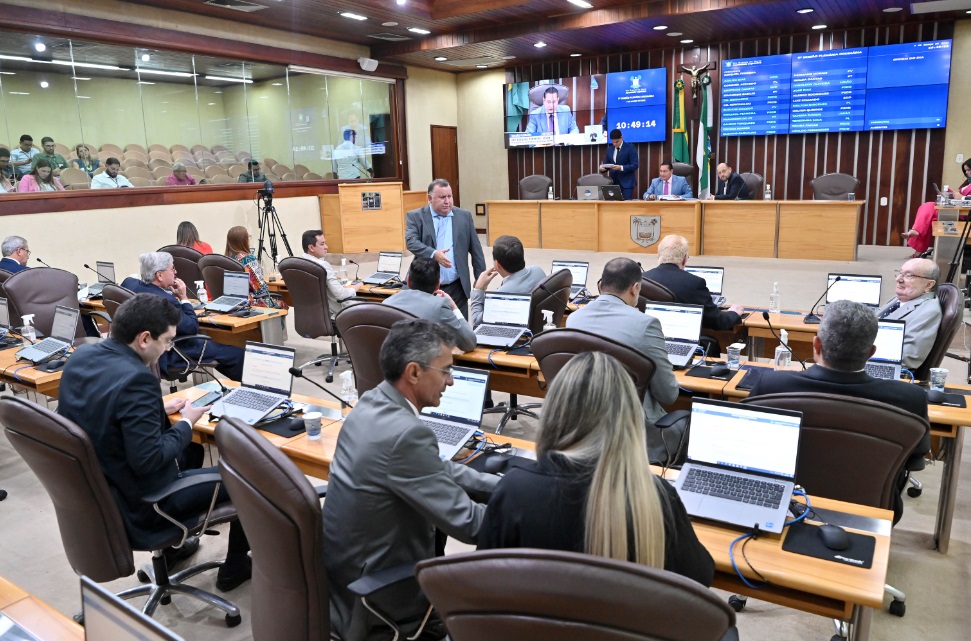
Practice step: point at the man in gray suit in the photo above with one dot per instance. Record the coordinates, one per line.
(425, 299)
(446, 234)
(388, 488)
(916, 303)
(508, 261)
(614, 315)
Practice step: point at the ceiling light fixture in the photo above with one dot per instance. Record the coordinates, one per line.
(146, 57)
(352, 16)
(660, 27)
(581, 3)
(11, 73)
(539, 45)
(674, 34)
(144, 82)
(440, 58)
(73, 77)
(509, 57)
(575, 55)
(277, 84)
(401, 3)
(20, 58)
(389, 24)
(896, 9)
(18, 93)
(44, 84)
(423, 32)
(805, 10)
(687, 41)
(482, 66)
(83, 65)
(225, 79)
(817, 27)
(159, 72)
(40, 46)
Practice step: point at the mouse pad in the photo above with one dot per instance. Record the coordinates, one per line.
(751, 378)
(478, 463)
(286, 427)
(952, 400)
(802, 538)
(704, 371)
(520, 351)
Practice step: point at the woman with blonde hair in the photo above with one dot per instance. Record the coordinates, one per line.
(592, 489)
(237, 248)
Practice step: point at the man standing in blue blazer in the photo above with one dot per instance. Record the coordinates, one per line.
(552, 117)
(620, 164)
(667, 184)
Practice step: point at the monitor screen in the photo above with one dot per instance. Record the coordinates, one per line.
(389, 262)
(828, 91)
(4, 313)
(714, 277)
(907, 85)
(462, 401)
(236, 284)
(855, 287)
(106, 272)
(577, 269)
(65, 323)
(678, 322)
(637, 104)
(267, 367)
(755, 96)
(889, 341)
(506, 309)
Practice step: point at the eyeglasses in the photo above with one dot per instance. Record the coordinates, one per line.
(908, 275)
(447, 371)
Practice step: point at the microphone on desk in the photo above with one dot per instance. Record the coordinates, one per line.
(357, 272)
(42, 263)
(765, 315)
(104, 278)
(811, 318)
(298, 373)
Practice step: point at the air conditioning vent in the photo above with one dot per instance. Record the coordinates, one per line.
(236, 5)
(390, 37)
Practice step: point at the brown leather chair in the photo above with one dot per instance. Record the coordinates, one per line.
(363, 329)
(97, 540)
(113, 296)
(552, 294)
(682, 169)
(186, 261)
(952, 307)
(834, 186)
(555, 348)
(755, 183)
(519, 594)
(593, 180)
(37, 291)
(212, 267)
(534, 187)
(4, 275)
(653, 291)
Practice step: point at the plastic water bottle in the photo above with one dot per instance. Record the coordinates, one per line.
(775, 300)
(201, 291)
(783, 357)
(768, 192)
(549, 195)
(348, 391)
(342, 272)
(28, 333)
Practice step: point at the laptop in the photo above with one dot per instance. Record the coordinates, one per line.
(266, 382)
(6, 341)
(62, 336)
(459, 414)
(858, 288)
(714, 280)
(579, 270)
(611, 192)
(886, 362)
(235, 293)
(108, 618)
(389, 266)
(681, 325)
(589, 192)
(504, 319)
(741, 464)
(106, 276)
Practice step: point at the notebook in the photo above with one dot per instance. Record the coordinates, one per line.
(579, 270)
(63, 331)
(266, 382)
(389, 266)
(858, 288)
(741, 464)
(588, 192)
(886, 362)
(459, 414)
(714, 280)
(681, 325)
(235, 293)
(504, 319)
(106, 275)
(611, 192)
(108, 618)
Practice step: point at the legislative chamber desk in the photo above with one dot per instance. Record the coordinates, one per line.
(36, 617)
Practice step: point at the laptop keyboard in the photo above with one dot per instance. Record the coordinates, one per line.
(878, 370)
(503, 332)
(382, 276)
(734, 488)
(679, 349)
(447, 434)
(48, 346)
(228, 300)
(252, 400)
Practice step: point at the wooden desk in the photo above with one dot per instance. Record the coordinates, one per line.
(818, 229)
(740, 228)
(761, 342)
(25, 375)
(35, 616)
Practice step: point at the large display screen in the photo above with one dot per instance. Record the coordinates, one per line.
(636, 104)
(863, 89)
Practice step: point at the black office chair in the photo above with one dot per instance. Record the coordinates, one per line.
(186, 261)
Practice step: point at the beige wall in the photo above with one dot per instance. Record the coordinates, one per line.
(430, 99)
(958, 137)
(482, 156)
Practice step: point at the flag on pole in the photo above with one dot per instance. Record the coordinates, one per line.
(681, 151)
(705, 124)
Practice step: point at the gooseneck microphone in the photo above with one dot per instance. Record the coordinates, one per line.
(298, 372)
(811, 318)
(42, 263)
(765, 315)
(357, 271)
(103, 278)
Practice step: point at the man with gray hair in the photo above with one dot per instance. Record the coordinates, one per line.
(179, 176)
(157, 276)
(916, 302)
(672, 256)
(388, 489)
(841, 349)
(15, 254)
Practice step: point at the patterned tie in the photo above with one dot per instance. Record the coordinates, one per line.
(891, 309)
(667, 188)
(552, 125)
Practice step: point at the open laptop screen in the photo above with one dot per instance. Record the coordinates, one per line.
(714, 277)
(236, 284)
(578, 269)
(389, 262)
(889, 341)
(463, 400)
(678, 322)
(106, 272)
(108, 618)
(506, 309)
(744, 437)
(267, 367)
(855, 287)
(65, 323)
(4, 314)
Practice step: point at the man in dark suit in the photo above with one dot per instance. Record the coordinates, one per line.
(730, 185)
(841, 349)
(672, 256)
(620, 163)
(447, 234)
(158, 277)
(109, 390)
(15, 254)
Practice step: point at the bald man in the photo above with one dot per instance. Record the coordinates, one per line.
(730, 185)
(916, 303)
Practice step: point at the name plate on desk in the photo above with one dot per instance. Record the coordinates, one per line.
(370, 200)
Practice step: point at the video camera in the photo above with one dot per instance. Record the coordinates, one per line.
(266, 193)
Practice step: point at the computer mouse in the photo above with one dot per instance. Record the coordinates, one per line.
(834, 537)
(53, 366)
(496, 463)
(935, 396)
(720, 371)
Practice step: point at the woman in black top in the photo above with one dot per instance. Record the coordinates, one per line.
(592, 489)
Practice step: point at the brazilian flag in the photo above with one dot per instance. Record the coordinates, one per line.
(681, 151)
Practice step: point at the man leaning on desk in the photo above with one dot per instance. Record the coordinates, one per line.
(730, 185)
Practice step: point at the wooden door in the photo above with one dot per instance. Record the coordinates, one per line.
(445, 158)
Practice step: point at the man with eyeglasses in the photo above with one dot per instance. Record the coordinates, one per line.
(388, 489)
(16, 253)
(916, 303)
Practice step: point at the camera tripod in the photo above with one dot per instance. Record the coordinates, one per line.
(269, 224)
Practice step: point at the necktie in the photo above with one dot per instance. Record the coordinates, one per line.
(552, 125)
(667, 188)
(353, 136)
(615, 155)
(891, 309)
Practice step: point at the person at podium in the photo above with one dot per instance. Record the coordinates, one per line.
(621, 164)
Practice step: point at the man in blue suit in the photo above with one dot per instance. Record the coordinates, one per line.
(15, 254)
(552, 117)
(667, 184)
(620, 164)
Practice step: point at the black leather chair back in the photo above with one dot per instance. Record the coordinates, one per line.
(113, 297)
(212, 267)
(553, 294)
(37, 291)
(653, 291)
(952, 306)
(593, 180)
(186, 262)
(834, 186)
(363, 328)
(755, 183)
(534, 187)
(307, 283)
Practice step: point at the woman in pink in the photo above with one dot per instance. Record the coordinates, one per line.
(40, 178)
(920, 236)
(179, 176)
(188, 236)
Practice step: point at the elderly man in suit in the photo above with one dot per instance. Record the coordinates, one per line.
(425, 299)
(614, 315)
(730, 185)
(841, 349)
(446, 234)
(552, 117)
(621, 164)
(916, 303)
(388, 489)
(508, 261)
(667, 184)
(15, 254)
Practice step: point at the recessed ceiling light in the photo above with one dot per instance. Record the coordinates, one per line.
(896, 9)
(159, 72)
(352, 16)
(581, 3)
(805, 10)
(389, 24)
(482, 66)
(539, 45)
(660, 27)
(40, 46)
(575, 55)
(19, 93)
(73, 77)
(423, 32)
(440, 58)
(277, 84)
(401, 3)
(142, 82)
(687, 41)
(146, 57)
(819, 26)
(674, 34)
(11, 73)
(44, 84)
(225, 79)
(509, 57)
